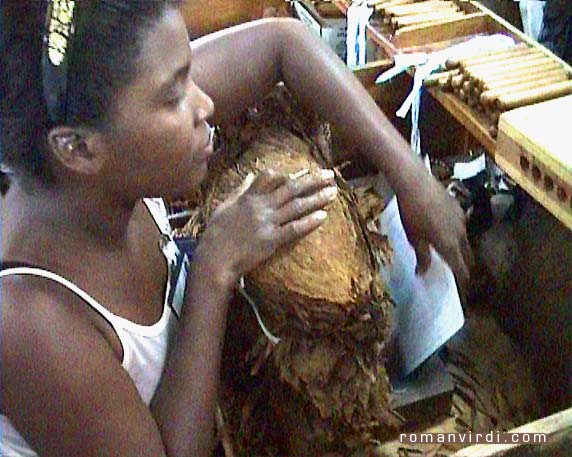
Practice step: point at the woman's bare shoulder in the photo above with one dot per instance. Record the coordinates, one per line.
(35, 312)
(55, 363)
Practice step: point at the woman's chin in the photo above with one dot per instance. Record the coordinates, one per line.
(192, 183)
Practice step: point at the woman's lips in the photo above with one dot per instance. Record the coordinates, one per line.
(209, 149)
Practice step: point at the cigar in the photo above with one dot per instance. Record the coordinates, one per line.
(488, 56)
(439, 79)
(516, 73)
(380, 5)
(502, 62)
(516, 69)
(457, 81)
(529, 97)
(447, 86)
(379, 2)
(383, 2)
(509, 66)
(417, 19)
(420, 8)
(500, 57)
(467, 87)
(524, 76)
(490, 97)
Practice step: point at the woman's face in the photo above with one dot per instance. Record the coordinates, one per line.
(159, 135)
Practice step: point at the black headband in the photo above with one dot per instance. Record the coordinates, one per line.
(56, 56)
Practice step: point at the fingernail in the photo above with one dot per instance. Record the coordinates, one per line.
(331, 192)
(326, 174)
(320, 215)
(248, 180)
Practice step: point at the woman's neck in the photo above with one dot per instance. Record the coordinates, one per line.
(82, 218)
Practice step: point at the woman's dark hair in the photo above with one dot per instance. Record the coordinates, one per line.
(106, 44)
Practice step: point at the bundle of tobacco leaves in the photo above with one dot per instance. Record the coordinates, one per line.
(323, 386)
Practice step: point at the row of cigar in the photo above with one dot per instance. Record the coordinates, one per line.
(502, 80)
(405, 15)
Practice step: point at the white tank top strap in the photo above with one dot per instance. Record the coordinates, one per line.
(121, 326)
(177, 260)
(158, 210)
(32, 271)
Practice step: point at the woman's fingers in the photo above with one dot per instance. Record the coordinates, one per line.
(423, 256)
(299, 228)
(303, 206)
(248, 181)
(268, 181)
(457, 253)
(244, 187)
(468, 253)
(300, 187)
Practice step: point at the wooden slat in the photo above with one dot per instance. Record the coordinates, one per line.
(558, 427)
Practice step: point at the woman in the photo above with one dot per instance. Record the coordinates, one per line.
(109, 110)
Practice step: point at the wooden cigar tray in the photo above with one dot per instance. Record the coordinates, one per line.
(428, 37)
(535, 149)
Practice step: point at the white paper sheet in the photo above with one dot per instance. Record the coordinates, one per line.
(467, 170)
(429, 309)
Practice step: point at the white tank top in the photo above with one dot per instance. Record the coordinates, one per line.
(144, 347)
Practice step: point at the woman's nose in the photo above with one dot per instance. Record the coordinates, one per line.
(204, 105)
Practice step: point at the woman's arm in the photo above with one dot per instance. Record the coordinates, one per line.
(238, 66)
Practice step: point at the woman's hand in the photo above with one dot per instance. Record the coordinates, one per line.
(266, 213)
(430, 216)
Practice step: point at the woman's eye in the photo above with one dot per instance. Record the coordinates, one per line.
(174, 97)
(173, 100)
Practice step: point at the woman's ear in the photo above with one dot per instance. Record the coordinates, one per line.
(77, 149)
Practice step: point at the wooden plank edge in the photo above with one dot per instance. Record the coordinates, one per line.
(381, 40)
(368, 73)
(553, 424)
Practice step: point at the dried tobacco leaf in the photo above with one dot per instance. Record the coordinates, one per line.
(324, 385)
(326, 275)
